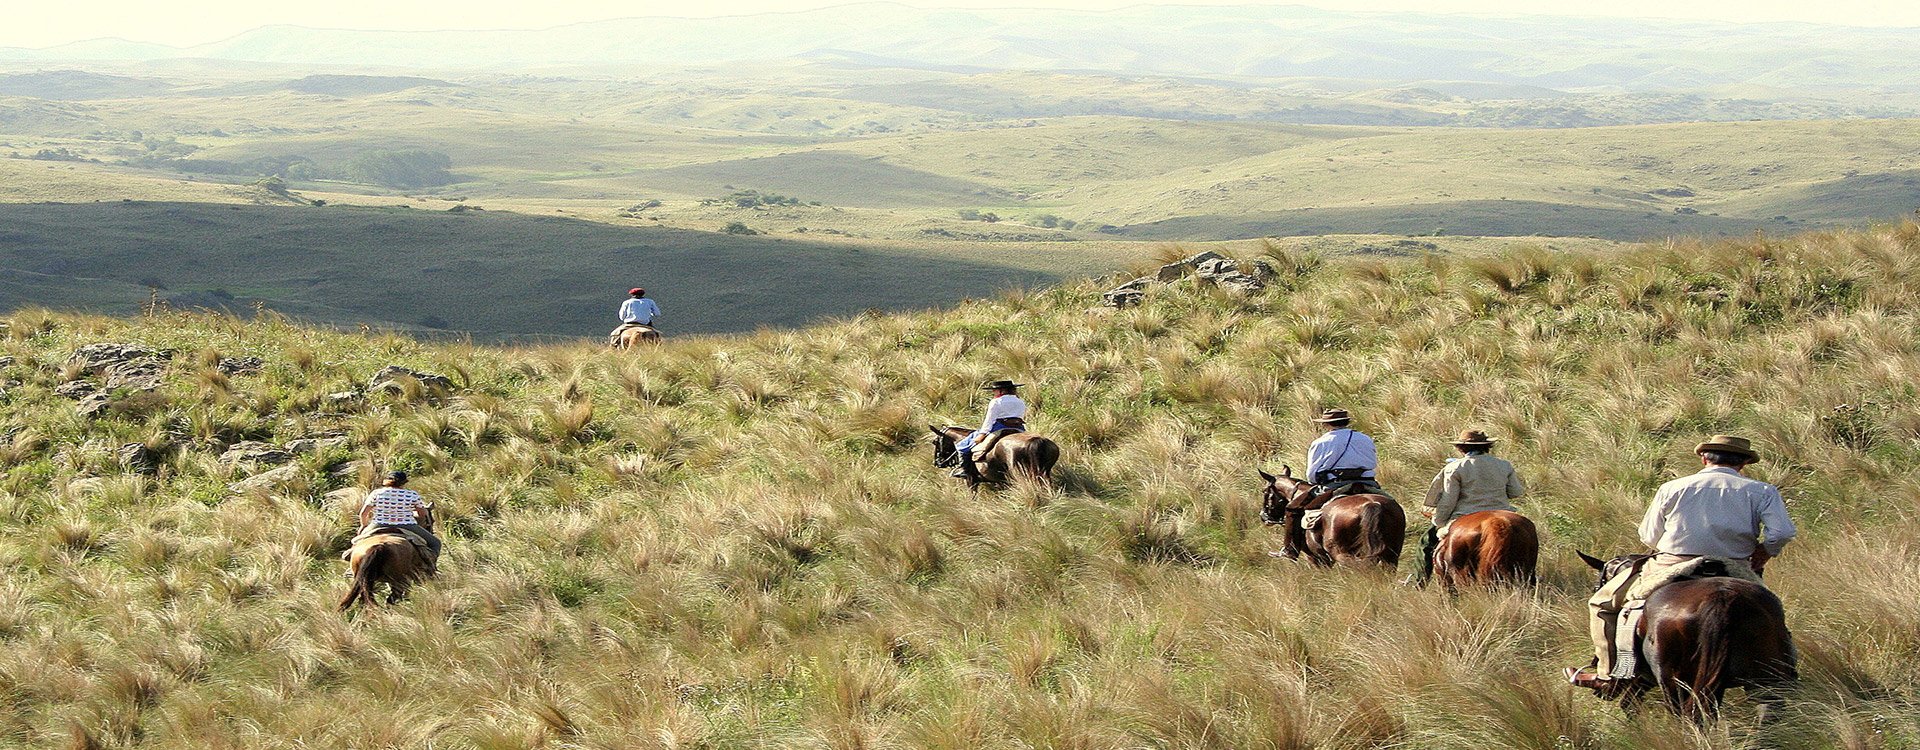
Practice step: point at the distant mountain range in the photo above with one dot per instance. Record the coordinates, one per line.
(1595, 55)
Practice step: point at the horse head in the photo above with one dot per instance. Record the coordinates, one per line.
(1607, 569)
(1280, 493)
(945, 455)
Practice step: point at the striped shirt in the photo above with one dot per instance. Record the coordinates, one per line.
(393, 506)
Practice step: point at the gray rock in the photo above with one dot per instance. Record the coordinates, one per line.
(76, 389)
(304, 446)
(255, 452)
(241, 365)
(1128, 294)
(342, 399)
(138, 457)
(388, 379)
(1225, 274)
(1178, 270)
(129, 366)
(94, 405)
(265, 481)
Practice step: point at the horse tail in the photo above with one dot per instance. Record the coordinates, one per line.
(362, 589)
(1373, 521)
(1046, 455)
(1712, 654)
(1520, 554)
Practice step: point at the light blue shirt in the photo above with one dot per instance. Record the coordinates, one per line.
(639, 310)
(1341, 449)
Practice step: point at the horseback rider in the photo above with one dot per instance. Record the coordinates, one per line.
(1005, 412)
(1340, 462)
(1717, 516)
(637, 310)
(1472, 483)
(393, 506)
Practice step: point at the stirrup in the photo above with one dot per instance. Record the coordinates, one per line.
(1587, 677)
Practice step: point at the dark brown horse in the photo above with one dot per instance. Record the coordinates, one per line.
(1020, 454)
(1700, 637)
(387, 558)
(1356, 530)
(1489, 547)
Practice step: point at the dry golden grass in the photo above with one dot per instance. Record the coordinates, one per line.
(738, 542)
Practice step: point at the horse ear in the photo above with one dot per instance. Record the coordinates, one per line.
(933, 429)
(1592, 562)
(1266, 476)
(1286, 471)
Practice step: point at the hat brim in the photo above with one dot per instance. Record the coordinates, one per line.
(1725, 448)
(998, 386)
(1324, 420)
(1475, 443)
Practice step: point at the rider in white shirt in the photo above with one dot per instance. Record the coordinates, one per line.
(638, 309)
(1005, 412)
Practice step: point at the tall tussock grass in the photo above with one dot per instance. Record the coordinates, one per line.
(740, 541)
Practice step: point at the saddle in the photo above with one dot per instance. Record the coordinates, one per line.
(1326, 493)
(981, 451)
(419, 543)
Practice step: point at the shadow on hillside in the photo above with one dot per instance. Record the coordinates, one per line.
(498, 275)
(1482, 218)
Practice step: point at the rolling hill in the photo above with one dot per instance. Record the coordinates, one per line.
(738, 541)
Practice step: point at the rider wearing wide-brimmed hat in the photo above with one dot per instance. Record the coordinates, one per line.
(1005, 412)
(1475, 482)
(1719, 516)
(1341, 461)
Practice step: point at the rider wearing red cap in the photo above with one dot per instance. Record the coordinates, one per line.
(636, 311)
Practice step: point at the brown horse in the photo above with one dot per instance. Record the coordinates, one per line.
(387, 558)
(1489, 547)
(1697, 638)
(629, 337)
(1021, 454)
(1355, 530)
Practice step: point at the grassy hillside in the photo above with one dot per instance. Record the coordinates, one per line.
(737, 541)
(498, 275)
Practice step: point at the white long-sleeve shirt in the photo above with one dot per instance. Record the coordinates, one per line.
(1341, 449)
(1002, 407)
(1716, 512)
(639, 310)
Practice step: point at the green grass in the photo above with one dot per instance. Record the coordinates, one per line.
(737, 541)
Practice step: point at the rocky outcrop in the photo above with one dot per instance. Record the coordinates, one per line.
(128, 366)
(1209, 268)
(265, 481)
(389, 379)
(241, 365)
(256, 453)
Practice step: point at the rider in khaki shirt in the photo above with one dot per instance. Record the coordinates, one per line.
(1472, 483)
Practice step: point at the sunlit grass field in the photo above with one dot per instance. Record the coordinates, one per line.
(737, 541)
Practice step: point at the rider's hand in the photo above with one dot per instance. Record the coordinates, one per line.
(1759, 559)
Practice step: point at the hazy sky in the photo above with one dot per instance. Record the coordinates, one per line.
(41, 24)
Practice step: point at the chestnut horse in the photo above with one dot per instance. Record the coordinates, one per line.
(633, 336)
(1021, 454)
(1355, 530)
(1699, 637)
(1488, 547)
(388, 558)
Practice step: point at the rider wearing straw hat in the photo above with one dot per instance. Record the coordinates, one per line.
(1005, 412)
(1718, 515)
(1472, 483)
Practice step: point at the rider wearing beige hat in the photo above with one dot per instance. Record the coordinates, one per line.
(1718, 514)
(1474, 482)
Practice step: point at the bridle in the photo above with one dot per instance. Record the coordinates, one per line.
(951, 457)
